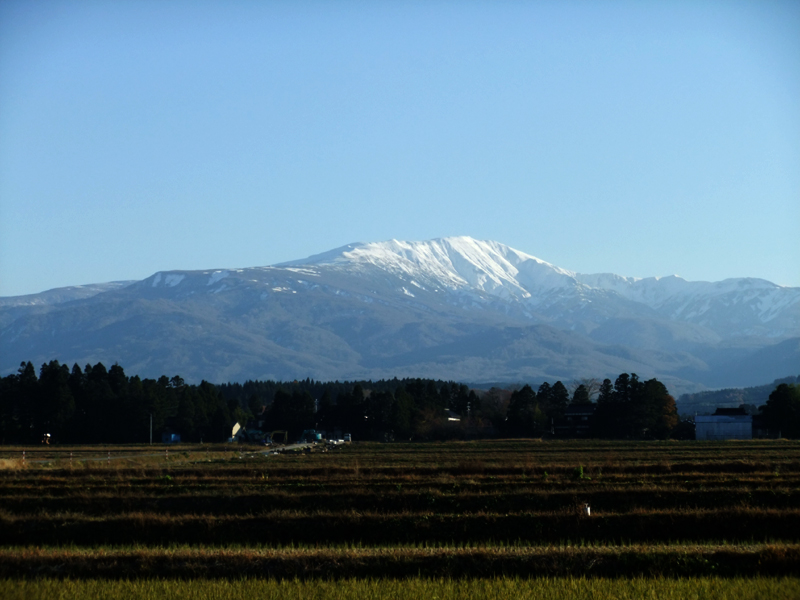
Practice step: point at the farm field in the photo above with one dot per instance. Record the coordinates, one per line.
(457, 514)
(413, 589)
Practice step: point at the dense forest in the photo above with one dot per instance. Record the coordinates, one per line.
(99, 405)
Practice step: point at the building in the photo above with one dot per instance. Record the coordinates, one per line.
(724, 424)
(249, 434)
(575, 422)
(451, 416)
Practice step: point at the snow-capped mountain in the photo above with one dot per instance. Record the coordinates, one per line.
(455, 308)
(465, 265)
(457, 264)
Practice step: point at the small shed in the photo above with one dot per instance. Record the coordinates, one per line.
(724, 424)
(451, 416)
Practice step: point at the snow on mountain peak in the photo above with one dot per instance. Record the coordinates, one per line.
(467, 265)
(454, 263)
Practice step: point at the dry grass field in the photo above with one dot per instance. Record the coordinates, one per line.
(457, 515)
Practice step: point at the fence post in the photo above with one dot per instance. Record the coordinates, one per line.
(23, 457)
(108, 460)
(70, 459)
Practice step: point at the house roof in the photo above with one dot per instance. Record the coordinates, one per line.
(723, 419)
(730, 412)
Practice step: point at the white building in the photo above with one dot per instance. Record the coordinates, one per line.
(724, 424)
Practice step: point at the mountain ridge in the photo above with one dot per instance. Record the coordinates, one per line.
(384, 309)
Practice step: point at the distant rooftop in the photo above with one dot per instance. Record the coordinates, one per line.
(730, 412)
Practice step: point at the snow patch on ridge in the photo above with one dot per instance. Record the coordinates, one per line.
(173, 280)
(216, 276)
(304, 271)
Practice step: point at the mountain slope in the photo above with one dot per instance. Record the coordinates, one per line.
(752, 306)
(451, 308)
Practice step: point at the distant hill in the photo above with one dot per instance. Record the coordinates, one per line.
(455, 309)
(60, 295)
(704, 402)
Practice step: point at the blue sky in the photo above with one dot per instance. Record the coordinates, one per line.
(641, 138)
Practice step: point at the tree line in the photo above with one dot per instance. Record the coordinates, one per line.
(782, 411)
(99, 405)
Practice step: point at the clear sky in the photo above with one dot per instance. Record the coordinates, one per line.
(640, 138)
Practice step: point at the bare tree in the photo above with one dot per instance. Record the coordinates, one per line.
(592, 385)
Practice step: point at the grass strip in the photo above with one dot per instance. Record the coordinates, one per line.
(283, 527)
(399, 563)
(409, 589)
(176, 500)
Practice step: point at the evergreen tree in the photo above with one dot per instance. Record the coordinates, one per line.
(559, 399)
(543, 394)
(56, 406)
(608, 419)
(622, 388)
(402, 415)
(378, 415)
(581, 395)
(634, 409)
(661, 414)
(522, 413)
(27, 400)
(187, 417)
(138, 418)
(606, 392)
(473, 404)
(292, 412)
(782, 410)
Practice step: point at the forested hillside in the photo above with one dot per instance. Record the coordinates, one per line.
(751, 397)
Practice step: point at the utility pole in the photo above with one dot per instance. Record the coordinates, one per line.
(151, 429)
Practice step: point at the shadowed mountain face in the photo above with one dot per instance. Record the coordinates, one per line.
(454, 308)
